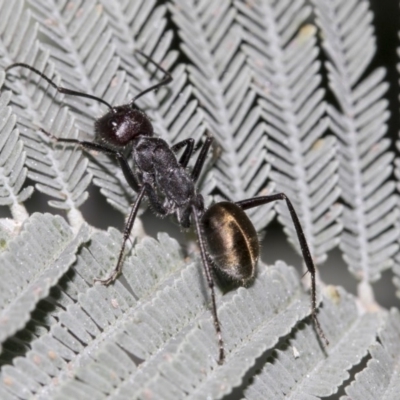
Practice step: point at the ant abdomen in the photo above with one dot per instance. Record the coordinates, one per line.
(231, 241)
(122, 124)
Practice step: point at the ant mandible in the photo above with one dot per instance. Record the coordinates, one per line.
(228, 240)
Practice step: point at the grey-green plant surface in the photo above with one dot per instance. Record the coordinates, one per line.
(252, 73)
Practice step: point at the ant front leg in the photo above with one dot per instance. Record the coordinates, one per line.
(258, 201)
(123, 162)
(198, 166)
(147, 190)
(187, 154)
(131, 179)
(127, 231)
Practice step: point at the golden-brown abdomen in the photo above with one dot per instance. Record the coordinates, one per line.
(231, 241)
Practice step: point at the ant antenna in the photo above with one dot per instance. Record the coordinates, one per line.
(167, 79)
(59, 88)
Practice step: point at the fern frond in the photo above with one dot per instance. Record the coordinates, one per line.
(43, 252)
(94, 314)
(89, 66)
(169, 335)
(381, 378)
(253, 317)
(84, 63)
(211, 39)
(12, 161)
(369, 241)
(153, 326)
(286, 77)
(396, 267)
(317, 372)
(54, 175)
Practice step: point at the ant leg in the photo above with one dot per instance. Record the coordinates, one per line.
(127, 231)
(198, 166)
(210, 281)
(131, 179)
(123, 162)
(167, 79)
(60, 89)
(258, 201)
(189, 143)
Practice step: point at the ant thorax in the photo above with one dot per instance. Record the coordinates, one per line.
(158, 166)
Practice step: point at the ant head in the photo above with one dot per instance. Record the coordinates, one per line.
(122, 124)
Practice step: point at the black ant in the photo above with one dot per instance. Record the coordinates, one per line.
(228, 240)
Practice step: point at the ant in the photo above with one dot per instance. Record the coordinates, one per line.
(227, 239)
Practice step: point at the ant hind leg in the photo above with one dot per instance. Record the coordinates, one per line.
(258, 201)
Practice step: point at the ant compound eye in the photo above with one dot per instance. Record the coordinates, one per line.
(112, 123)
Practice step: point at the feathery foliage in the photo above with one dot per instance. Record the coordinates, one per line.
(369, 240)
(283, 54)
(381, 378)
(44, 251)
(13, 174)
(211, 38)
(249, 72)
(314, 375)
